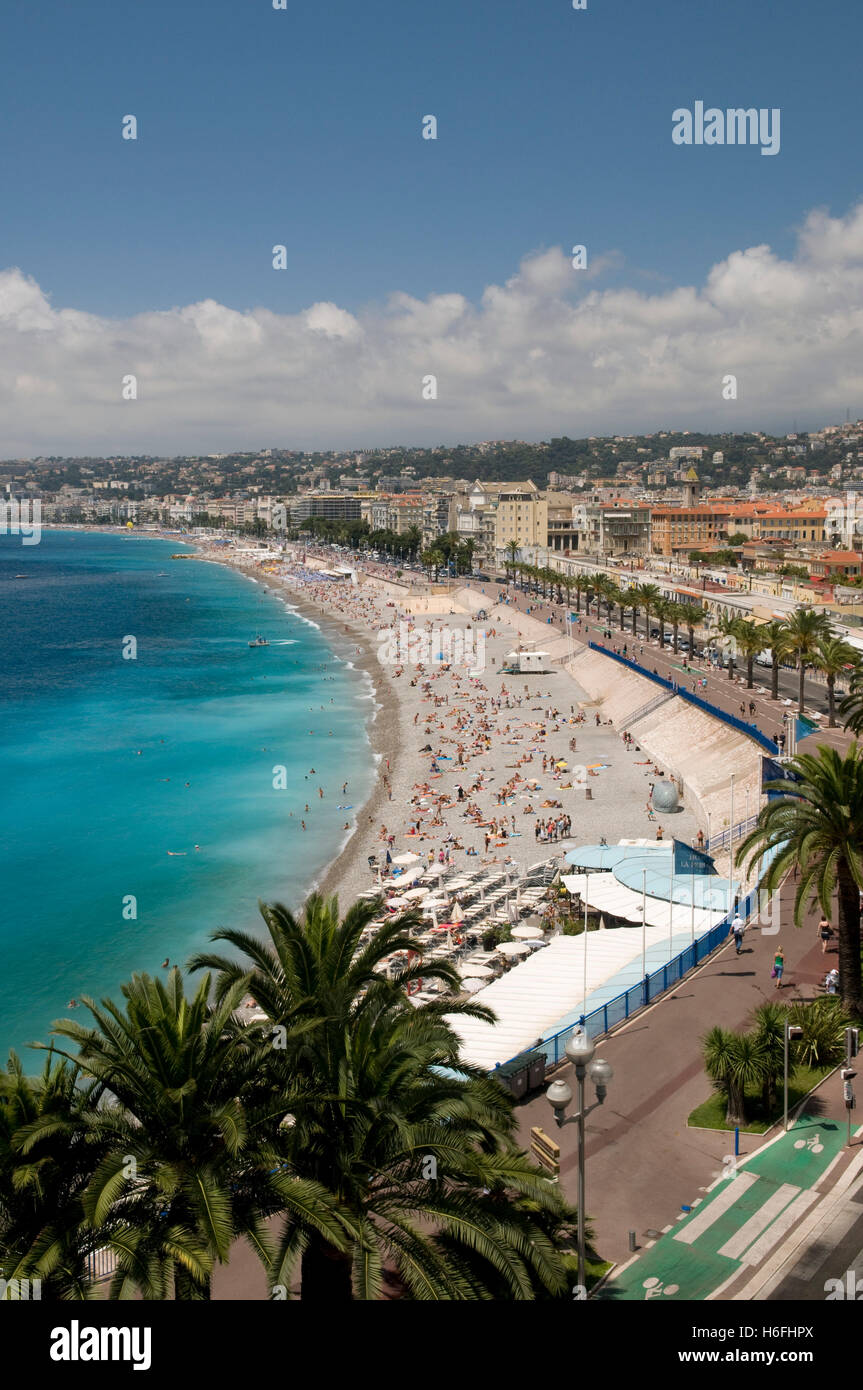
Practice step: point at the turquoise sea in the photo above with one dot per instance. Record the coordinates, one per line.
(109, 763)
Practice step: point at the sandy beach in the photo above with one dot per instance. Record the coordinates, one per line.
(476, 766)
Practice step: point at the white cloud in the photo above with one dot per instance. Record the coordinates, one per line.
(547, 352)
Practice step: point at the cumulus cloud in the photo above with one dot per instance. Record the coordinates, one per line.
(547, 352)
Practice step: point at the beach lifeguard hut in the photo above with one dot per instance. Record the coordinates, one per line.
(527, 661)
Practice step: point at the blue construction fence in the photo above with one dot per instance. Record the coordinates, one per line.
(647, 991)
(750, 730)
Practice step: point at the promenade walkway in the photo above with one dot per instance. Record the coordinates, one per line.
(643, 1162)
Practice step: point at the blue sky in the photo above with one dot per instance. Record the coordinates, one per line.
(303, 127)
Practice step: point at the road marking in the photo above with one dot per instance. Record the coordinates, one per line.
(759, 1221)
(737, 1187)
(761, 1249)
(826, 1242)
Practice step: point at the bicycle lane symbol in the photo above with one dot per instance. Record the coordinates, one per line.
(655, 1288)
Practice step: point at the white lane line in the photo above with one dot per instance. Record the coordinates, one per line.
(759, 1220)
(737, 1187)
(761, 1249)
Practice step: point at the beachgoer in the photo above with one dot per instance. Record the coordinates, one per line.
(825, 934)
(778, 968)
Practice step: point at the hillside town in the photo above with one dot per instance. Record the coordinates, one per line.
(763, 515)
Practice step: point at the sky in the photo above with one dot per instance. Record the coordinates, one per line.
(408, 258)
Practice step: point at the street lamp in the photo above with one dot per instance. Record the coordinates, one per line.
(792, 1033)
(580, 1051)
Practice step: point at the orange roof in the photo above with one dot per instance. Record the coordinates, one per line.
(839, 556)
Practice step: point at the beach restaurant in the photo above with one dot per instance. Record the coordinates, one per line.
(660, 897)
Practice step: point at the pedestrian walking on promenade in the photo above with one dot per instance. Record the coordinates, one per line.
(737, 930)
(778, 967)
(825, 934)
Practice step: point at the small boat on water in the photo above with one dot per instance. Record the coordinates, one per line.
(259, 642)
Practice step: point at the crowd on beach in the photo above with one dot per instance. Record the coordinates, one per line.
(501, 765)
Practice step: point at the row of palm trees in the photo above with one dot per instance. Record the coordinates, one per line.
(805, 638)
(340, 1136)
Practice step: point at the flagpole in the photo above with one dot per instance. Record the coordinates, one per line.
(643, 923)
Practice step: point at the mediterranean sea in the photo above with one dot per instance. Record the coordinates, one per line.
(142, 806)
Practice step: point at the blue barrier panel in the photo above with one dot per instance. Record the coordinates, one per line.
(748, 729)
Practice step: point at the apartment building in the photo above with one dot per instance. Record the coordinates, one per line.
(676, 530)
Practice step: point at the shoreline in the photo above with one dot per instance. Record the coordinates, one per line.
(382, 724)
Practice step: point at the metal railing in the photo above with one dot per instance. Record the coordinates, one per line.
(724, 838)
(749, 730)
(646, 992)
(655, 703)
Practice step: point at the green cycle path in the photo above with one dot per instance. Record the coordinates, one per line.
(739, 1223)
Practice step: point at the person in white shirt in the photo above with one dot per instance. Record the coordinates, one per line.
(737, 930)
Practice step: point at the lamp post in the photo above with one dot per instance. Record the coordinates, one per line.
(791, 1031)
(580, 1051)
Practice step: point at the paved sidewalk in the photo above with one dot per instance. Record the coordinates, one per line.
(643, 1162)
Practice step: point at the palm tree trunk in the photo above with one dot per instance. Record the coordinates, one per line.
(635, 620)
(325, 1274)
(831, 701)
(675, 631)
(735, 1113)
(774, 676)
(749, 662)
(802, 678)
(848, 922)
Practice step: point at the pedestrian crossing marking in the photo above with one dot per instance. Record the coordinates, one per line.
(759, 1221)
(737, 1187)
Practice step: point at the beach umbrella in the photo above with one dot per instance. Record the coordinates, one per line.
(414, 894)
(456, 915)
(407, 858)
(527, 933)
(513, 948)
(397, 902)
(472, 985)
(475, 972)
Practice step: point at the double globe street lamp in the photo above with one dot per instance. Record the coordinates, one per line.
(580, 1051)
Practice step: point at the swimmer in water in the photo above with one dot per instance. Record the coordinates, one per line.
(165, 963)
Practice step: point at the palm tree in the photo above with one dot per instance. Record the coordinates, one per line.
(726, 638)
(750, 642)
(46, 1165)
(662, 610)
(734, 1061)
(851, 708)
(417, 1145)
(775, 636)
(692, 616)
(805, 630)
(818, 829)
(649, 595)
(512, 549)
(187, 1166)
(580, 584)
(832, 657)
(633, 594)
(769, 1027)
